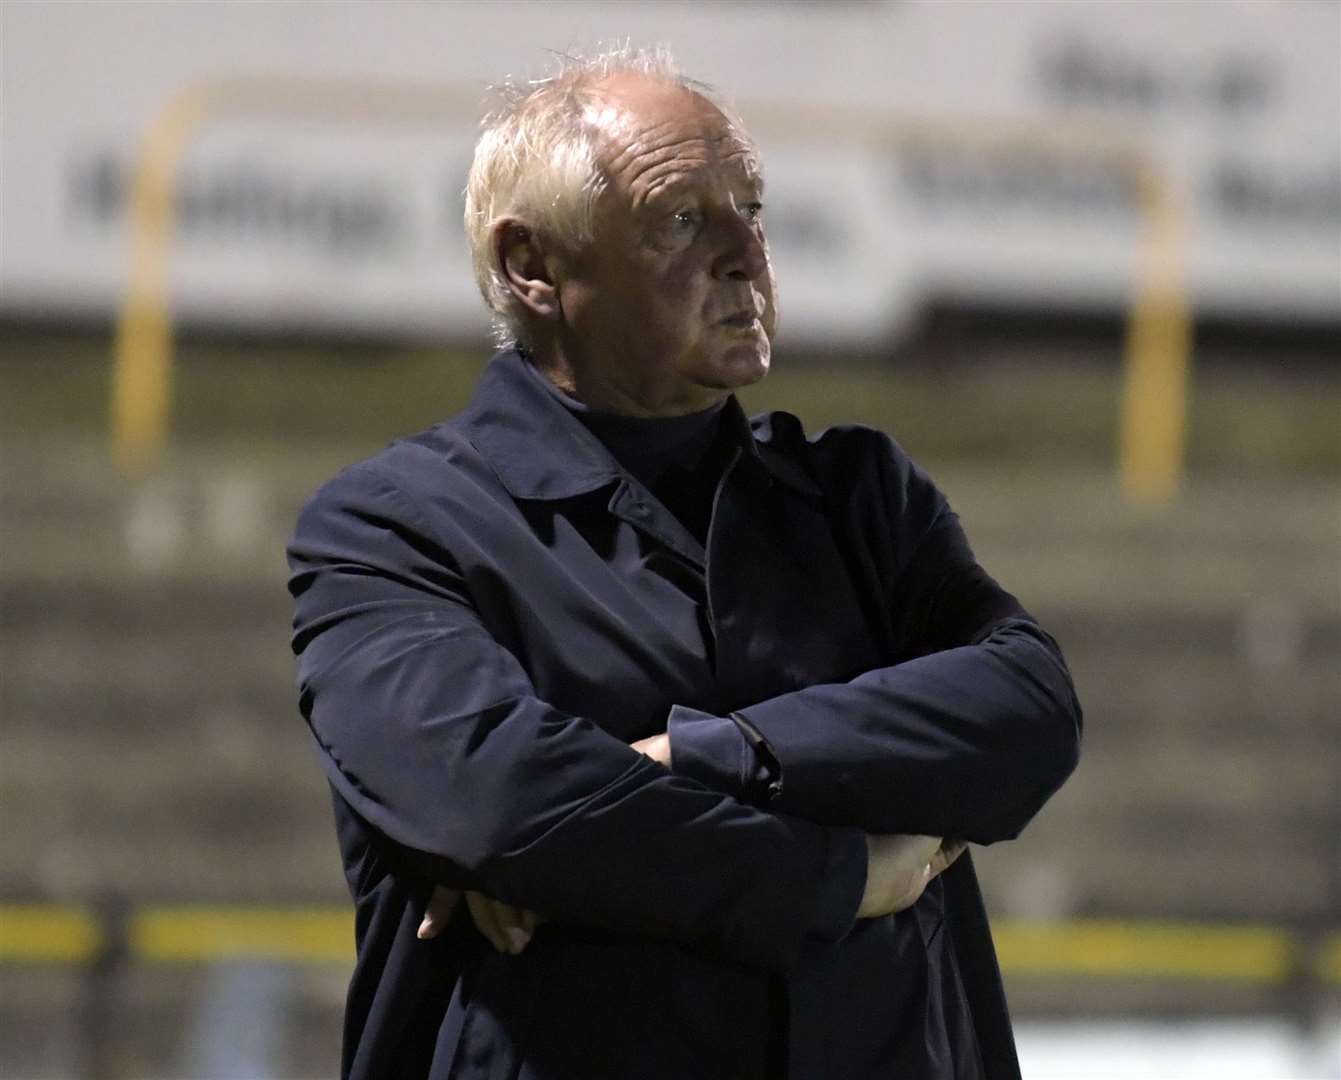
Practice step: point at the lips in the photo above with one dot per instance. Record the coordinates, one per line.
(741, 320)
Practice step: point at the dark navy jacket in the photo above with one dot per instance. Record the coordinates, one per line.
(489, 612)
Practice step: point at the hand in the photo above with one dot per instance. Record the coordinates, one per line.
(899, 868)
(508, 928)
(657, 747)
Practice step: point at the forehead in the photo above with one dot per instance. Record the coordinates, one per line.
(658, 135)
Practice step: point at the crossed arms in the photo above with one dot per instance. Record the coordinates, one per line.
(434, 734)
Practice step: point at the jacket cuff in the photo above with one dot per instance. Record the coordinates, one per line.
(843, 886)
(711, 750)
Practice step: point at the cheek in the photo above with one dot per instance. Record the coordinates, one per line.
(680, 299)
(768, 287)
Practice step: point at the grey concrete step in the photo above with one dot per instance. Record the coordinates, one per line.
(1060, 539)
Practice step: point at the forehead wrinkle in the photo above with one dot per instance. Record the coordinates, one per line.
(684, 160)
(749, 161)
(620, 149)
(692, 153)
(650, 185)
(665, 142)
(654, 166)
(676, 171)
(646, 154)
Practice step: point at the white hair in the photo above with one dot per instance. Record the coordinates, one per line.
(537, 160)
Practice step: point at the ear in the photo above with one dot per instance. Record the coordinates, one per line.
(525, 268)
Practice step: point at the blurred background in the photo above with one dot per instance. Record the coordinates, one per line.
(1083, 259)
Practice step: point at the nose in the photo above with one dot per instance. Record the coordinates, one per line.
(742, 256)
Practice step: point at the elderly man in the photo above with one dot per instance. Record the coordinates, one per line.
(696, 712)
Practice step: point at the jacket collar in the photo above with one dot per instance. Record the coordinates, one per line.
(540, 450)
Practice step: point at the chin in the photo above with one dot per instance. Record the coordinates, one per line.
(742, 366)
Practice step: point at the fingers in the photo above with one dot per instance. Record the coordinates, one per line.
(945, 856)
(938, 860)
(439, 911)
(656, 747)
(507, 928)
(925, 846)
(918, 856)
(486, 920)
(900, 867)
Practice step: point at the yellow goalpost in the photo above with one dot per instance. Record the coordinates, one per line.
(1154, 400)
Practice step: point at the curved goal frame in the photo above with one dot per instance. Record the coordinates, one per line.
(1152, 429)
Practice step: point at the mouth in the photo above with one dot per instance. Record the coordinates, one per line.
(746, 319)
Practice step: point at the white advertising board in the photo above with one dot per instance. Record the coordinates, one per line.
(881, 126)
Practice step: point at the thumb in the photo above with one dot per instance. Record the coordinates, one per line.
(438, 912)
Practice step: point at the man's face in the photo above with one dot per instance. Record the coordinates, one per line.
(672, 306)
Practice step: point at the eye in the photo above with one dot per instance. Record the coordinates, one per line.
(685, 220)
(752, 212)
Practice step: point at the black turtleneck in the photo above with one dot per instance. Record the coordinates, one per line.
(679, 459)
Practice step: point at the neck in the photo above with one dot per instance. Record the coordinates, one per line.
(609, 393)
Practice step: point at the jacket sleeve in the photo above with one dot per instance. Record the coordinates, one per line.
(433, 733)
(967, 738)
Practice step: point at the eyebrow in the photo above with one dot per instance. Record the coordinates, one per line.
(660, 190)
